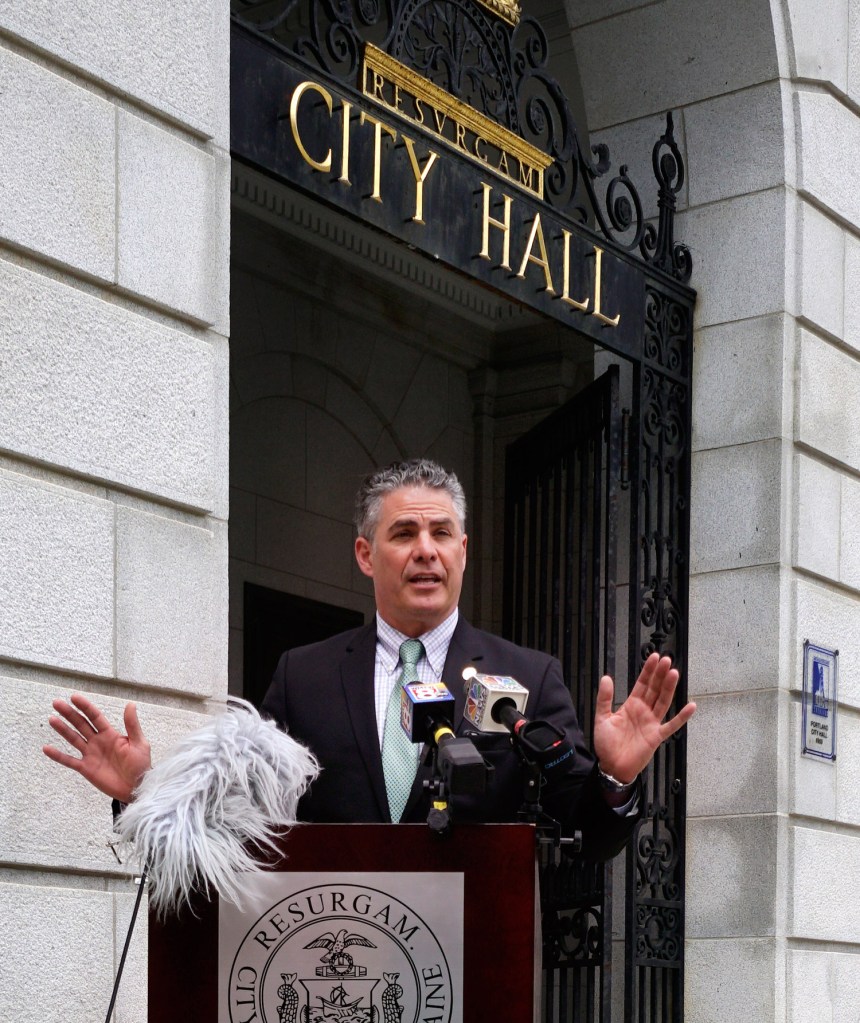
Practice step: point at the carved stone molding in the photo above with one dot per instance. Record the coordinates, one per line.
(276, 204)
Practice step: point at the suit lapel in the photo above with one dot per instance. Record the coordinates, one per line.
(357, 672)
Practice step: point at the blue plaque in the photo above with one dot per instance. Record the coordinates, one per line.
(820, 677)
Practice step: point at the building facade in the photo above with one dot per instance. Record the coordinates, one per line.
(147, 363)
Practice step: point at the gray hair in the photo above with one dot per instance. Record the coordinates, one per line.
(417, 472)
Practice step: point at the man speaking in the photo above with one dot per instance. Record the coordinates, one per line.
(341, 697)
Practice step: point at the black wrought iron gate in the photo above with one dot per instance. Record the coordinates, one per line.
(569, 483)
(562, 483)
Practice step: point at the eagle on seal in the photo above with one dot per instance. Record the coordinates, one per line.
(337, 943)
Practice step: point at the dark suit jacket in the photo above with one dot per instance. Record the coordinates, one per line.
(324, 695)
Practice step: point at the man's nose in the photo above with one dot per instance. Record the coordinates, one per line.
(425, 548)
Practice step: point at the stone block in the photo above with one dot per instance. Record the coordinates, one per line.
(823, 985)
(809, 982)
(722, 133)
(751, 277)
(828, 416)
(738, 377)
(95, 388)
(268, 449)
(131, 1003)
(170, 57)
(220, 350)
(851, 301)
(583, 13)
(828, 141)
(849, 536)
(338, 457)
(828, 617)
(171, 202)
(678, 59)
(355, 345)
(56, 576)
(818, 489)
(727, 775)
(310, 378)
(825, 885)
(243, 525)
(847, 988)
(853, 77)
(48, 815)
(261, 375)
(171, 603)
(419, 422)
(722, 974)
(56, 946)
(304, 544)
(813, 781)
(819, 34)
(847, 768)
(631, 144)
(735, 506)
(731, 877)
(390, 375)
(821, 282)
(348, 406)
(58, 169)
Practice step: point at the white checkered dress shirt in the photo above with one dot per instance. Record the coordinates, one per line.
(388, 667)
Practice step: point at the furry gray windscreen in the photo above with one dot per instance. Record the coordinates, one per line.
(219, 798)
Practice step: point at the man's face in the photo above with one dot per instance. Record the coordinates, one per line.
(416, 559)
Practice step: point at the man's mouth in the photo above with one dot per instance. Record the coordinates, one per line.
(425, 579)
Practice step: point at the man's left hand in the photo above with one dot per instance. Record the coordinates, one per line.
(626, 740)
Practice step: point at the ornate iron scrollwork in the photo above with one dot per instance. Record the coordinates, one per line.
(500, 69)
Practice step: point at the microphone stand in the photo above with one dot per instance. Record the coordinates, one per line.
(121, 967)
(457, 769)
(531, 811)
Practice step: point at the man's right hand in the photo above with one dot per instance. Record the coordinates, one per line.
(114, 763)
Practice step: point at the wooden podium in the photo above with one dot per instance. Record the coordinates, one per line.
(487, 879)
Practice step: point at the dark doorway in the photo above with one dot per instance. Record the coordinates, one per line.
(275, 622)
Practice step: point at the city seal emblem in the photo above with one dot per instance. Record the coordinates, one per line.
(343, 952)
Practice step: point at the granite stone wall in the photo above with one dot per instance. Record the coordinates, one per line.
(765, 99)
(114, 233)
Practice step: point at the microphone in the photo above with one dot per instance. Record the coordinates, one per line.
(484, 692)
(494, 703)
(426, 710)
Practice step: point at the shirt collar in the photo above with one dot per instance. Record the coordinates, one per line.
(435, 642)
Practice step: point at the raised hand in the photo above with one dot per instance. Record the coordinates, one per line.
(625, 741)
(113, 762)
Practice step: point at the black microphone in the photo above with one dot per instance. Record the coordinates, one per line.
(539, 740)
(426, 710)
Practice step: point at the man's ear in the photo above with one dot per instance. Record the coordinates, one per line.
(364, 555)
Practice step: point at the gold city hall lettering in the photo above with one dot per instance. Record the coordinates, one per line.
(327, 108)
(537, 253)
